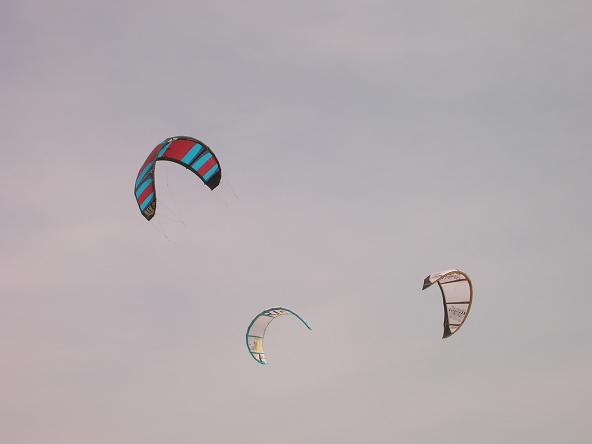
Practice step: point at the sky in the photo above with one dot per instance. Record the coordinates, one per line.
(364, 145)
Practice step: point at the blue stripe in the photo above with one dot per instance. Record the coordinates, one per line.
(200, 162)
(147, 202)
(192, 154)
(210, 173)
(143, 173)
(144, 185)
(163, 150)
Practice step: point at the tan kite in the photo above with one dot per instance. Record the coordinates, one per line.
(457, 296)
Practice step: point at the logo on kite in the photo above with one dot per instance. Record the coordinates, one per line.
(194, 155)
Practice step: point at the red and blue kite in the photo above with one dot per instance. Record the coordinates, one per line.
(187, 151)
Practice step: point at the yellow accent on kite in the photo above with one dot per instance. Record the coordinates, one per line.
(258, 345)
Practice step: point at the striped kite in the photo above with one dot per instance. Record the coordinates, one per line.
(187, 151)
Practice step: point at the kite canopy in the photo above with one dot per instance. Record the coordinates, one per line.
(457, 296)
(258, 327)
(187, 151)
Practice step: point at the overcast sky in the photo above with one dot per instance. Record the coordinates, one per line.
(364, 145)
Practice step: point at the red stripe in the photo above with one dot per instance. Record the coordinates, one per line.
(149, 190)
(206, 166)
(151, 157)
(178, 149)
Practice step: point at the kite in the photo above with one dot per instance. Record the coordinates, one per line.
(187, 151)
(457, 296)
(258, 327)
